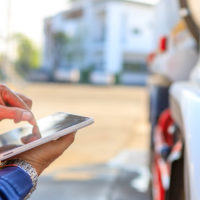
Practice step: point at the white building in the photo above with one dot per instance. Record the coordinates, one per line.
(108, 35)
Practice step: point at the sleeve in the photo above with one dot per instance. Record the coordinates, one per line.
(15, 183)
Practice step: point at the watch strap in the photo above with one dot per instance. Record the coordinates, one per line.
(27, 168)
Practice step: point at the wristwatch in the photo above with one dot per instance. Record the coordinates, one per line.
(27, 168)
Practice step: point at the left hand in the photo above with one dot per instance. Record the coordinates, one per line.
(42, 156)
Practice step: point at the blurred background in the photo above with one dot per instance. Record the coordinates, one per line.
(93, 58)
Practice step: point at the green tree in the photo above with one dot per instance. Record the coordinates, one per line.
(28, 55)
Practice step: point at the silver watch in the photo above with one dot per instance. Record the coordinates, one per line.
(27, 168)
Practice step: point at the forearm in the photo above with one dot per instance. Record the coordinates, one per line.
(15, 183)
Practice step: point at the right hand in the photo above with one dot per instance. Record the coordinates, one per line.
(15, 106)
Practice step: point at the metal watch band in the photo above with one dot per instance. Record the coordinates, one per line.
(27, 168)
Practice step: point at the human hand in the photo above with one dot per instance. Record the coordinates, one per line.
(15, 106)
(42, 156)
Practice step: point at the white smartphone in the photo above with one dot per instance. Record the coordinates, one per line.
(50, 128)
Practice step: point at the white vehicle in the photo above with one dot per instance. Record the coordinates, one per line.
(63, 74)
(101, 78)
(175, 134)
(185, 107)
(177, 46)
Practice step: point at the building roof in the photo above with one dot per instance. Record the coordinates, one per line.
(143, 2)
(76, 5)
(146, 2)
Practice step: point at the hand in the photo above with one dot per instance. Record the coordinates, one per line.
(15, 106)
(42, 156)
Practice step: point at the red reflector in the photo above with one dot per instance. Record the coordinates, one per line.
(163, 44)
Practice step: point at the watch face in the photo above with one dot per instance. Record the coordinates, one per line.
(194, 7)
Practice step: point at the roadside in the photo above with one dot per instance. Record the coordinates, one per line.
(120, 179)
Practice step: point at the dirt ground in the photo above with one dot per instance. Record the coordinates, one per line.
(120, 114)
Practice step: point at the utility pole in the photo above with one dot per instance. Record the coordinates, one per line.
(6, 35)
(7, 63)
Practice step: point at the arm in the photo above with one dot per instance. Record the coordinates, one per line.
(15, 183)
(21, 180)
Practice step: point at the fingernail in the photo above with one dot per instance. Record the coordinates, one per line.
(36, 130)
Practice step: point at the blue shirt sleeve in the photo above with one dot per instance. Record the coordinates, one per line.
(15, 183)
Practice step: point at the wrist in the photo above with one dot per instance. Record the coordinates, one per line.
(34, 165)
(27, 167)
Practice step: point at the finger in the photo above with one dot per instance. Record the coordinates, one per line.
(2, 101)
(30, 138)
(26, 100)
(36, 131)
(11, 99)
(17, 114)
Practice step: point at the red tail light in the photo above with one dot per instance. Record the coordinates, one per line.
(163, 44)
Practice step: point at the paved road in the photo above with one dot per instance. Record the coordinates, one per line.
(112, 181)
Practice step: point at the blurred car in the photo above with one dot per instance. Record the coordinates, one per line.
(175, 108)
(40, 75)
(133, 78)
(63, 74)
(101, 78)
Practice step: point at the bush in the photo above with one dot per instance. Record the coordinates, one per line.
(85, 74)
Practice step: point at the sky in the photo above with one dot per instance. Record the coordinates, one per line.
(27, 15)
(149, 1)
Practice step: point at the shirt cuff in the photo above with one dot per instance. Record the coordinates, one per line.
(15, 183)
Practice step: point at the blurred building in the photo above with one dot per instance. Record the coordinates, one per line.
(105, 36)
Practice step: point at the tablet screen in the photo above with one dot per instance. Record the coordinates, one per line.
(47, 127)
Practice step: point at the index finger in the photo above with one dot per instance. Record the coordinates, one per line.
(17, 114)
(11, 99)
(25, 99)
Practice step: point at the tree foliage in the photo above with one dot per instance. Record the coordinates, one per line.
(28, 55)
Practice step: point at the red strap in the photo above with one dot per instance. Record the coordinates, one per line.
(10, 165)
